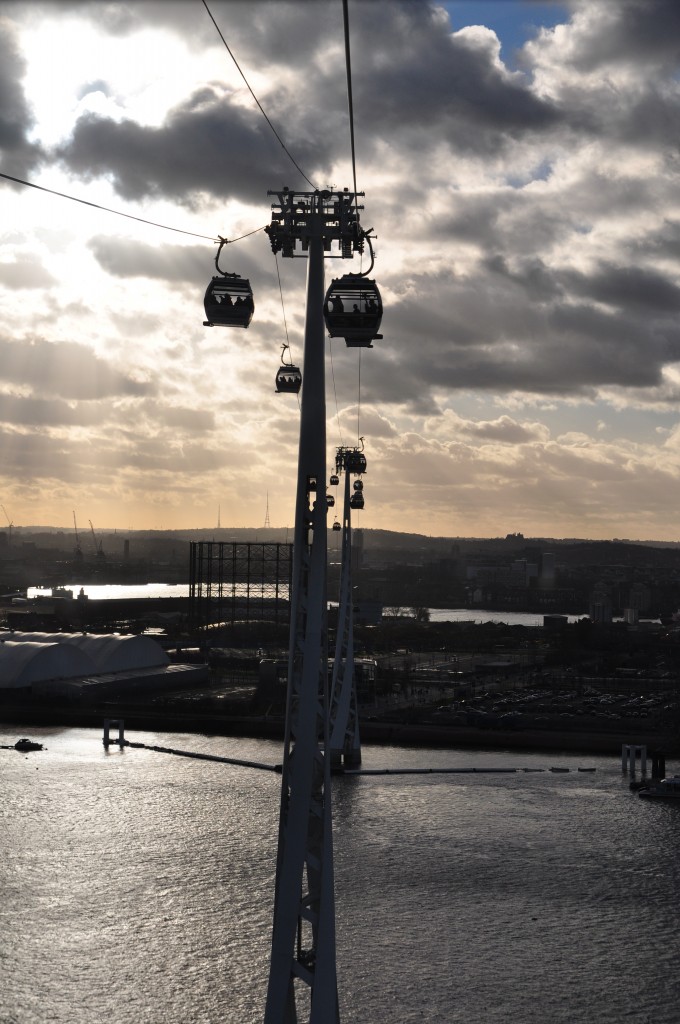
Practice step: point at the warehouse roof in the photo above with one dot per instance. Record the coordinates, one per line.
(26, 658)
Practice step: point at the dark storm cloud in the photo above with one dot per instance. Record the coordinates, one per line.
(411, 77)
(504, 429)
(208, 144)
(535, 278)
(279, 31)
(665, 242)
(518, 220)
(645, 115)
(633, 289)
(626, 288)
(47, 412)
(644, 31)
(190, 264)
(414, 79)
(524, 332)
(17, 154)
(29, 411)
(628, 52)
(123, 257)
(64, 370)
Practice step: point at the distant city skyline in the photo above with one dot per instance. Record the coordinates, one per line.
(520, 172)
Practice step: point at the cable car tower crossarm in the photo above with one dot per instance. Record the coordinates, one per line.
(303, 933)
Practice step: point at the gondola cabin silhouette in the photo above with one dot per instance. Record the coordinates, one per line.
(355, 461)
(288, 379)
(357, 500)
(353, 310)
(228, 302)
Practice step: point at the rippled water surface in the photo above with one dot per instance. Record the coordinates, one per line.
(140, 885)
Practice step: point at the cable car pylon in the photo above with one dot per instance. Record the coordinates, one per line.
(302, 974)
(345, 743)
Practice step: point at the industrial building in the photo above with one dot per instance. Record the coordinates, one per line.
(76, 664)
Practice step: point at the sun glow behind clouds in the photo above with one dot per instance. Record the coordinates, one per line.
(74, 68)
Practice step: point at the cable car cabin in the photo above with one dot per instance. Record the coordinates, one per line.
(355, 461)
(357, 500)
(353, 310)
(358, 485)
(336, 527)
(228, 302)
(335, 480)
(288, 379)
(330, 500)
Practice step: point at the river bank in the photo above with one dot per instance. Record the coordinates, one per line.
(387, 732)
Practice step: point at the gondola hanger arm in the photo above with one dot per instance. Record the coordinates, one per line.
(222, 243)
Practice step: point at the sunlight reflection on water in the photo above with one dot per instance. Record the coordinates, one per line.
(140, 885)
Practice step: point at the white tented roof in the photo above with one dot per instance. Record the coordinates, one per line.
(68, 655)
(22, 664)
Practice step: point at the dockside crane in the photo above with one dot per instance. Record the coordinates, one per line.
(77, 551)
(9, 522)
(98, 544)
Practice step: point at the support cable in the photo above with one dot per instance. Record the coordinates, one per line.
(335, 393)
(119, 213)
(359, 402)
(285, 323)
(262, 111)
(350, 104)
(130, 216)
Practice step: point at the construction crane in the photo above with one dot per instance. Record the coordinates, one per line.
(77, 551)
(98, 545)
(9, 522)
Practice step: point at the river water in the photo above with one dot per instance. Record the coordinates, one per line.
(138, 886)
(127, 591)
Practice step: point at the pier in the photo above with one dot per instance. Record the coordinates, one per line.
(277, 768)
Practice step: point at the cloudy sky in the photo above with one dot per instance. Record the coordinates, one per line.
(521, 168)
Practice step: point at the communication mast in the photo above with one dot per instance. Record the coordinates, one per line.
(303, 935)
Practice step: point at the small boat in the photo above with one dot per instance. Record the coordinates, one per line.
(25, 744)
(664, 789)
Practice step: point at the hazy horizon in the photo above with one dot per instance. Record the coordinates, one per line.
(107, 531)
